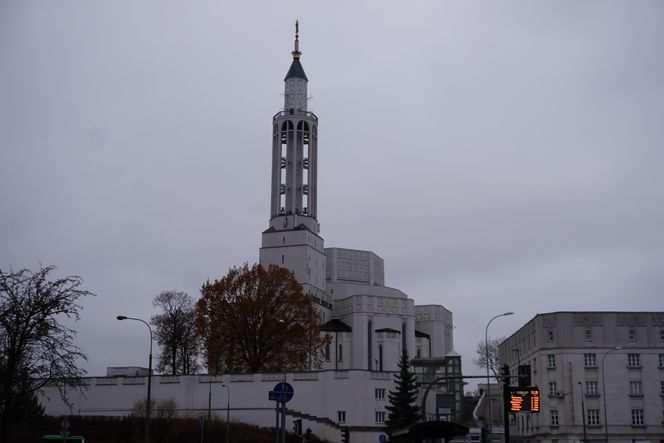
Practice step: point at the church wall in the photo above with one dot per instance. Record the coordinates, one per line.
(436, 321)
(307, 263)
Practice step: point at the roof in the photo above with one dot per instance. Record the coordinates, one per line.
(421, 334)
(296, 71)
(336, 325)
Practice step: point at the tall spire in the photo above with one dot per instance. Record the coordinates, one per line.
(296, 53)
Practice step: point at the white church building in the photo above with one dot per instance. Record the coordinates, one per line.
(369, 323)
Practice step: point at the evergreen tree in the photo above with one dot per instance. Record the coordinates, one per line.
(402, 410)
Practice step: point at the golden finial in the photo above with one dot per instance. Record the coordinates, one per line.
(296, 53)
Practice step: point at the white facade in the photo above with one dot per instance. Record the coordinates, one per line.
(570, 355)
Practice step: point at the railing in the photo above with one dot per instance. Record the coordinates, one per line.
(299, 112)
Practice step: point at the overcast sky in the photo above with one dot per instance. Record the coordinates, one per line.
(499, 156)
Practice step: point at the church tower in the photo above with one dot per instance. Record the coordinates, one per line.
(293, 239)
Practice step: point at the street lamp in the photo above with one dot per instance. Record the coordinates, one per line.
(486, 357)
(228, 410)
(147, 406)
(606, 424)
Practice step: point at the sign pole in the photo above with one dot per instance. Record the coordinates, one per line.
(276, 425)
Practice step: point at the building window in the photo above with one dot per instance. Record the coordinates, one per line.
(554, 417)
(380, 417)
(551, 361)
(661, 360)
(553, 388)
(591, 388)
(635, 388)
(592, 417)
(661, 335)
(327, 352)
(631, 334)
(637, 417)
(590, 360)
(341, 416)
(661, 388)
(282, 258)
(549, 336)
(380, 393)
(634, 360)
(340, 355)
(589, 334)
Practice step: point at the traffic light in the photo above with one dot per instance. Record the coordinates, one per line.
(297, 427)
(505, 372)
(345, 435)
(524, 375)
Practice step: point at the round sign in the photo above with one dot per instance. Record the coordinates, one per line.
(382, 438)
(283, 392)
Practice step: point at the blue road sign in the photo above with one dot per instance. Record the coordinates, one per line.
(283, 392)
(382, 438)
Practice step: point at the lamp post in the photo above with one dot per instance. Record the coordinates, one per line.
(228, 410)
(147, 406)
(583, 415)
(606, 424)
(486, 357)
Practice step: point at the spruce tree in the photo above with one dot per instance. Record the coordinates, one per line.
(402, 410)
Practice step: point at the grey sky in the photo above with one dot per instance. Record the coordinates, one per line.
(498, 155)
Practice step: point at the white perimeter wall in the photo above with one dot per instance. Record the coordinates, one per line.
(320, 394)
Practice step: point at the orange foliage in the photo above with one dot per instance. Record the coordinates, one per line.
(258, 320)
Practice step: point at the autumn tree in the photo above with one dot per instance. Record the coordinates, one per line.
(494, 356)
(175, 330)
(259, 320)
(36, 347)
(402, 410)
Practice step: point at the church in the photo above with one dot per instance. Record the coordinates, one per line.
(369, 323)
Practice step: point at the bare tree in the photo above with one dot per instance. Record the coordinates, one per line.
(36, 349)
(494, 356)
(176, 333)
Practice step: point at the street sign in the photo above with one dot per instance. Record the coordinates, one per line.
(283, 392)
(382, 438)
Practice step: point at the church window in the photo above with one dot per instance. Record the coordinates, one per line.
(282, 258)
(380, 417)
(327, 352)
(340, 355)
(369, 343)
(380, 393)
(341, 416)
(380, 357)
(284, 241)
